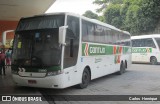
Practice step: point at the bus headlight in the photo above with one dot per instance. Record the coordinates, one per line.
(52, 73)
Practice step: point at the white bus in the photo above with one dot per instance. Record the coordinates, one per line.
(146, 49)
(64, 49)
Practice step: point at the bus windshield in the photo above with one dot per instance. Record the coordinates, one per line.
(37, 48)
(158, 42)
(41, 22)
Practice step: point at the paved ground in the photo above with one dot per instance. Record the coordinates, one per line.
(140, 79)
(7, 87)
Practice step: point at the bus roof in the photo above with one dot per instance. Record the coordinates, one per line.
(82, 17)
(146, 36)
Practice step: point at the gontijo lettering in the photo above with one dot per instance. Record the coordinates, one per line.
(97, 50)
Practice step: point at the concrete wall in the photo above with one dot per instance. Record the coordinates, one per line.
(7, 25)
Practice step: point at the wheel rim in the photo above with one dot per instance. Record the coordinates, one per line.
(85, 78)
(153, 61)
(122, 69)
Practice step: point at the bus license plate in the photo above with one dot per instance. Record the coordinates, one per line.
(32, 81)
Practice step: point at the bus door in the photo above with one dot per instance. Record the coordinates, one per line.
(149, 46)
(134, 54)
(72, 46)
(136, 50)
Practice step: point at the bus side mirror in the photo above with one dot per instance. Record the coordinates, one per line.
(62, 34)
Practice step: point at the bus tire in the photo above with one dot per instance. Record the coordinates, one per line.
(153, 60)
(122, 69)
(125, 67)
(86, 77)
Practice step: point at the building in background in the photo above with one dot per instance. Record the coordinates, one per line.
(7, 25)
(12, 10)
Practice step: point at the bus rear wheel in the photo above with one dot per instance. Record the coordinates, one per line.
(153, 60)
(122, 69)
(86, 77)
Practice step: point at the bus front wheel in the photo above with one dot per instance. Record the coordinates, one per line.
(86, 77)
(153, 60)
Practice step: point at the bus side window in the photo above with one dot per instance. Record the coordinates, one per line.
(136, 43)
(149, 43)
(84, 31)
(107, 35)
(103, 35)
(110, 37)
(73, 24)
(158, 42)
(142, 42)
(133, 43)
(88, 31)
(99, 34)
(114, 39)
(91, 32)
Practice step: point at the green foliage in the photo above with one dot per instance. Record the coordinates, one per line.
(123, 12)
(101, 18)
(101, 2)
(135, 16)
(142, 16)
(104, 3)
(131, 21)
(112, 15)
(91, 15)
(151, 8)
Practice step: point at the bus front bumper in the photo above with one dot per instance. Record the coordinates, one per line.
(45, 82)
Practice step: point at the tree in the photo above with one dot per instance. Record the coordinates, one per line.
(142, 16)
(90, 14)
(104, 3)
(112, 15)
(101, 18)
(151, 14)
(135, 16)
(132, 20)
